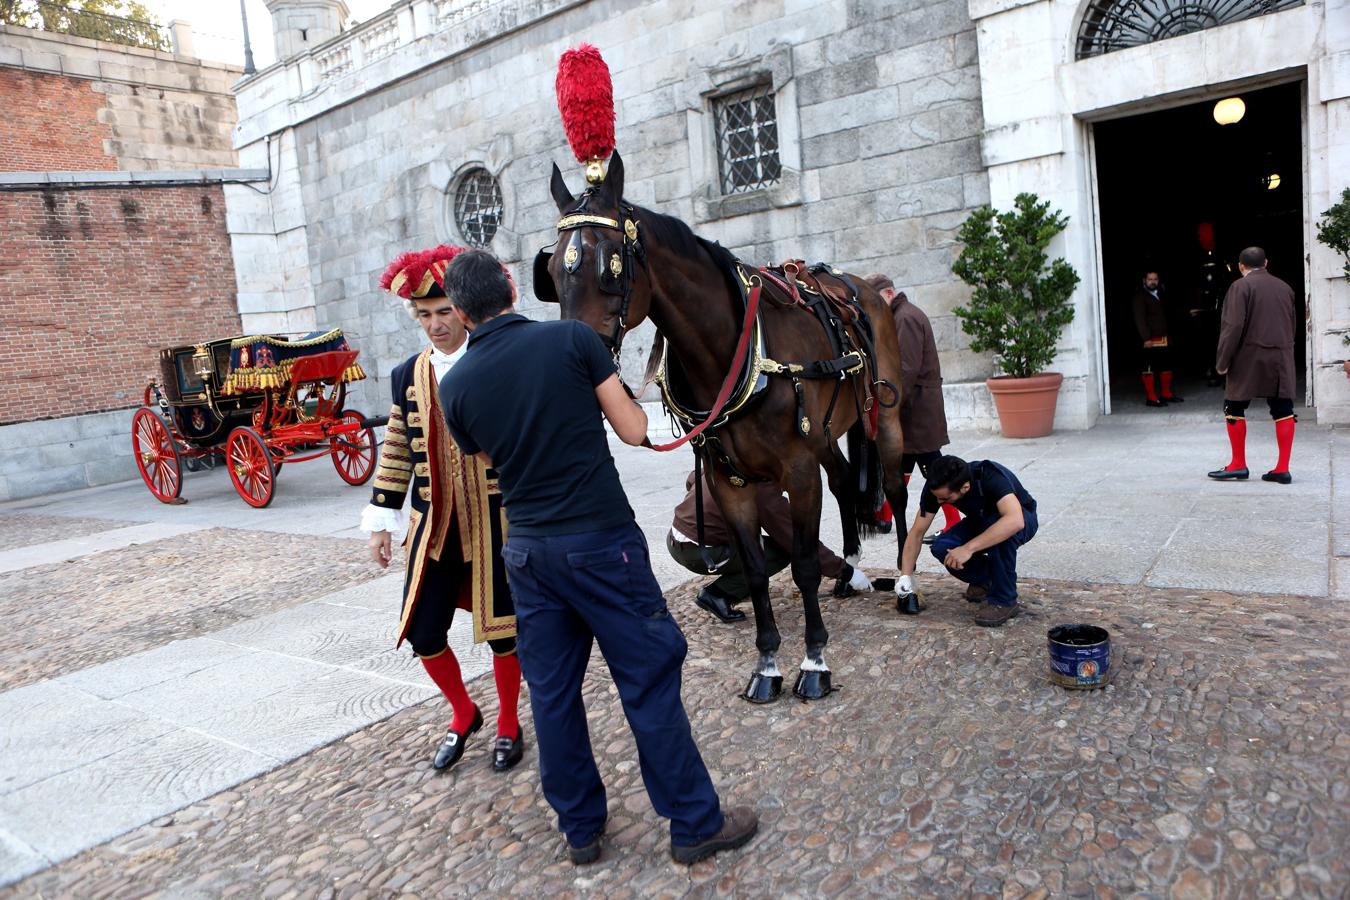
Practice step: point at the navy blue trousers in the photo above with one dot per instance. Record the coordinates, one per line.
(995, 568)
(570, 590)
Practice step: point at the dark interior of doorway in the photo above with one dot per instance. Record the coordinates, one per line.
(1162, 178)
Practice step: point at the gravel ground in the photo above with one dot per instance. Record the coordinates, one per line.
(59, 618)
(1216, 765)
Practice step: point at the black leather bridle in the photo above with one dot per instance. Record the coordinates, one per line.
(614, 260)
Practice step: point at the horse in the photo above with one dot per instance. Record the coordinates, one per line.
(622, 264)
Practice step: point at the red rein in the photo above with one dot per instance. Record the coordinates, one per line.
(751, 307)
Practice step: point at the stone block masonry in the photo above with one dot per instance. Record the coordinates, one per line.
(94, 283)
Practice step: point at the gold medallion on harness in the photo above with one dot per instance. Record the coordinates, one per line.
(570, 257)
(616, 265)
(806, 425)
(630, 229)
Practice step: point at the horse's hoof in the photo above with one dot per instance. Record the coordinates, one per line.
(812, 684)
(908, 604)
(763, 688)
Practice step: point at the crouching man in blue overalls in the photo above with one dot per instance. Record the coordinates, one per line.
(981, 549)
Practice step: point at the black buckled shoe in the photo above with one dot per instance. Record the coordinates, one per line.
(507, 751)
(718, 606)
(1278, 477)
(1154, 403)
(1173, 399)
(587, 853)
(991, 615)
(452, 748)
(1230, 474)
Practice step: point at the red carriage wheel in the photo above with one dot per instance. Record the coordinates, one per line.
(156, 455)
(354, 452)
(251, 468)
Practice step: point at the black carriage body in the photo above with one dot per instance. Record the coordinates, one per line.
(204, 418)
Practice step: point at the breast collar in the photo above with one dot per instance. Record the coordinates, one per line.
(751, 381)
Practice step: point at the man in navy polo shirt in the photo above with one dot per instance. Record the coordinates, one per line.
(529, 397)
(981, 549)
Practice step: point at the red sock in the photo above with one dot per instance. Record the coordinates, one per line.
(884, 514)
(506, 672)
(444, 670)
(1237, 437)
(1284, 436)
(1166, 378)
(1149, 392)
(952, 515)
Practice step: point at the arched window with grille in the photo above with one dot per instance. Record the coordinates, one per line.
(478, 207)
(1116, 24)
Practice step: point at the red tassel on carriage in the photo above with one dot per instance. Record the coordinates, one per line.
(586, 102)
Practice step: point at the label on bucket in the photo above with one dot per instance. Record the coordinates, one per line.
(1081, 653)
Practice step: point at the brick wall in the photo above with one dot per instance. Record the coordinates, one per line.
(93, 283)
(51, 122)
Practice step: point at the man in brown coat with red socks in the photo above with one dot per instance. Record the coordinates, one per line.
(1256, 352)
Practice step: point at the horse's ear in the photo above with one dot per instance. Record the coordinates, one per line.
(561, 195)
(613, 183)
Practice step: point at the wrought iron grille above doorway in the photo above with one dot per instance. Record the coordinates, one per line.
(1116, 24)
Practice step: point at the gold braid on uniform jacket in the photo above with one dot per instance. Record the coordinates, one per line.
(394, 473)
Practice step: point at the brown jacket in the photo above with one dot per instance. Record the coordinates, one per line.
(1150, 314)
(775, 520)
(1256, 339)
(923, 418)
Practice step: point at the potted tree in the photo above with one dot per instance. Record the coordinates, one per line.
(1334, 232)
(1019, 307)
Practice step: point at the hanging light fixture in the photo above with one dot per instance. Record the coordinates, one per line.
(1272, 181)
(1229, 110)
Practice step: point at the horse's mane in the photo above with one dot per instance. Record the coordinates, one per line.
(674, 234)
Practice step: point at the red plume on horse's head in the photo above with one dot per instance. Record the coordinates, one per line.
(586, 101)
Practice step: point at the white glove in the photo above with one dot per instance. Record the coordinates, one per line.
(860, 581)
(904, 584)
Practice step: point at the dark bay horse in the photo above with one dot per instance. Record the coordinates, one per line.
(616, 264)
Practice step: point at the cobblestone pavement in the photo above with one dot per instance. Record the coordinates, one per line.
(24, 530)
(59, 618)
(1216, 765)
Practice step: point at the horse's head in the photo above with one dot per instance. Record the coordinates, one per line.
(592, 271)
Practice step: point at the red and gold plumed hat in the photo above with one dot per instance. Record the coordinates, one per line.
(419, 274)
(586, 101)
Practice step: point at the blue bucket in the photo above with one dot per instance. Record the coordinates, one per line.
(1080, 656)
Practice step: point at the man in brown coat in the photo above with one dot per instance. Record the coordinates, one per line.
(731, 586)
(1256, 352)
(923, 418)
(1150, 320)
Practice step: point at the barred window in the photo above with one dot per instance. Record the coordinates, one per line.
(478, 207)
(1116, 24)
(747, 140)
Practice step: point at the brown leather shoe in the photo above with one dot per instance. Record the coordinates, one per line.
(738, 827)
(991, 615)
(976, 593)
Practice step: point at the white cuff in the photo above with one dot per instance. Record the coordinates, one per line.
(905, 584)
(381, 518)
(860, 581)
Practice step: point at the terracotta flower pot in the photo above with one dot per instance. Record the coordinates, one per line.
(1026, 406)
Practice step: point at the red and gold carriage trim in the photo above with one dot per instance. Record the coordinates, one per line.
(256, 403)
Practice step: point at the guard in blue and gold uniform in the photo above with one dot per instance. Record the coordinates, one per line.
(456, 525)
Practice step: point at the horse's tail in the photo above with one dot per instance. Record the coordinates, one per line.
(865, 476)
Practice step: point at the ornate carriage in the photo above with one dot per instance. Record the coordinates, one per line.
(258, 402)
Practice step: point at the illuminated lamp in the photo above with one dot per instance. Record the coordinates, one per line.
(1229, 111)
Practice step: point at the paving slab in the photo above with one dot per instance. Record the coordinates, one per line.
(69, 548)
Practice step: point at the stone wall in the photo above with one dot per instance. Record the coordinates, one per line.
(879, 116)
(79, 104)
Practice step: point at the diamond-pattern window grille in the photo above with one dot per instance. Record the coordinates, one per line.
(747, 140)
(478, 207)
(1116, 24)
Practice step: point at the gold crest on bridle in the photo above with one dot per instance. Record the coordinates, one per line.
(570, 257)
(615, 265)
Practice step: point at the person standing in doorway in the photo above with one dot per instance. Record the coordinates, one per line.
(923, 417)
(1256, 353)
(1150, 318)
(578, 563)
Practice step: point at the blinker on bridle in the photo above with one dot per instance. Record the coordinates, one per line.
(614, 261)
